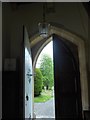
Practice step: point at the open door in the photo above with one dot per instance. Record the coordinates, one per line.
(28, 78)
(67, 82)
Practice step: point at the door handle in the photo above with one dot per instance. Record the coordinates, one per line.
(31, 74)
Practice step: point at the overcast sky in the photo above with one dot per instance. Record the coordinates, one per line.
(48, 49)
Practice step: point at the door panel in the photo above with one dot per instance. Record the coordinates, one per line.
(66, 95)
(28, 77)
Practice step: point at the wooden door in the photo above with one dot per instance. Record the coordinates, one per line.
(66, 82)
(28, 78)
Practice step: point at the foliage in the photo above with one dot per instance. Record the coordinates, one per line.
(46, 68)
(38, 82)
(45, 96)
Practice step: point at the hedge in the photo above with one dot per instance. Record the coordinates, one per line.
(38, 83)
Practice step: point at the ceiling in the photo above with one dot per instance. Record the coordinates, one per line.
(50, 7)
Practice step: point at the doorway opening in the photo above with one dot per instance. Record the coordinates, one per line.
(44, 98)
(76, 40)
(66, 75)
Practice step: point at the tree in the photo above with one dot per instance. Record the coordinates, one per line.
(46, 67)
(38, 82)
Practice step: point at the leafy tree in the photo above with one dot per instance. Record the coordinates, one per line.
(46, 67)
(38, 82)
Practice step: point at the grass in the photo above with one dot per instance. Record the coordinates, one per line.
(45, 96)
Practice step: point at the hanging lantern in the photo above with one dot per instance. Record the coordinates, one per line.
(44, 27)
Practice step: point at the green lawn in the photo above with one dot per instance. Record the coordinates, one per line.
(45, 96)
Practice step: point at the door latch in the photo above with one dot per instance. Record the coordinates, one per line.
(27, 98)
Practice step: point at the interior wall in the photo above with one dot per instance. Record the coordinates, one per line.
(0, 60)
(6, 13)
(88, 64)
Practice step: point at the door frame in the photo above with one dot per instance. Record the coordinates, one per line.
(75, 39)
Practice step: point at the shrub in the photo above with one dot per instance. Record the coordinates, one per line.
(38, 83)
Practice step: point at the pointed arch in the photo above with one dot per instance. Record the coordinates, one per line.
(79, 42)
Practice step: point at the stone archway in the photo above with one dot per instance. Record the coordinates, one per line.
(79, 42)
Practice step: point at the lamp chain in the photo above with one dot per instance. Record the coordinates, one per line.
(44, 15)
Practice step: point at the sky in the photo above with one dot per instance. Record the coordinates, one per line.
(48, 49)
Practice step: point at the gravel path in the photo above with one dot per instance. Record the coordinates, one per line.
(45, 110)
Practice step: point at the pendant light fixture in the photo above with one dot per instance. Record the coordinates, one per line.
(44, 27)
